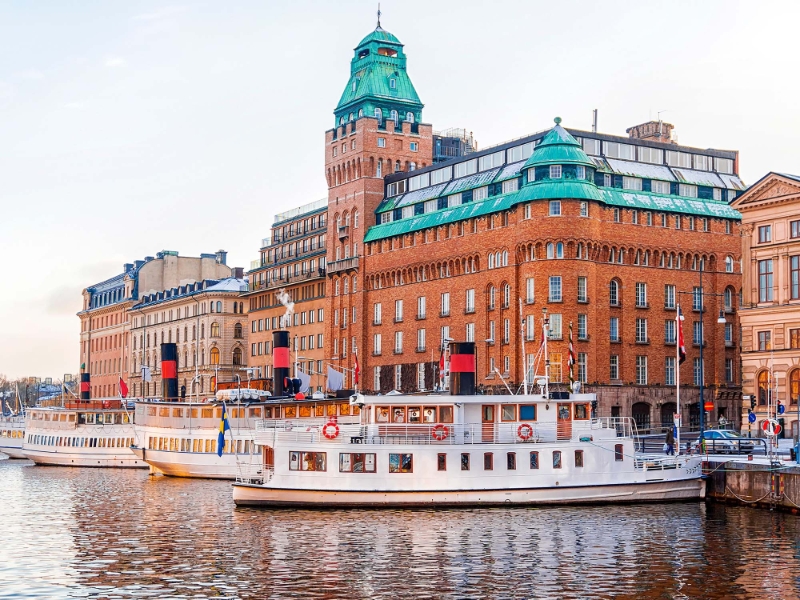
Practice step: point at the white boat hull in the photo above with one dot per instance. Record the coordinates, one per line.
(115, 457)
(189, 464)
(655, 491)
(12, 452)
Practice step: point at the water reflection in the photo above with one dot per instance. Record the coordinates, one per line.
(120, 533)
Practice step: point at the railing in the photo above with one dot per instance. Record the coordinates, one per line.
(305, 208)
(342, 265)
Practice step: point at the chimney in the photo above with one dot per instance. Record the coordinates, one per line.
(222, 257)
(127, 267)
(238, 272)
(653, 131)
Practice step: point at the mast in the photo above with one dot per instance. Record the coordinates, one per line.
(524, 361)
(545, 328)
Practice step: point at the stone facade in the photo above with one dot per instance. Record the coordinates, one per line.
(291, 260)
(770, 311)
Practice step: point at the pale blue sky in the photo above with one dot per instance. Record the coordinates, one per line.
(132, 127)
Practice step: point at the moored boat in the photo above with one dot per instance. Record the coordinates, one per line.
(12, 434)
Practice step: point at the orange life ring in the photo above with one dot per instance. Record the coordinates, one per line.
(440, 432)
(330, 430)
(525, 432)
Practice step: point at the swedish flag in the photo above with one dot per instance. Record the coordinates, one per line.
(223, 427)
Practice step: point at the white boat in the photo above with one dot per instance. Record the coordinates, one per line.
(86, 433)
(463, 450)
(12, 434)
(180, 438)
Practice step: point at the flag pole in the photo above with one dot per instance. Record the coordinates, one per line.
(524, 356)
(678, 336)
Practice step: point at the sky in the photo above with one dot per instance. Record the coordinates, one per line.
(127, 128)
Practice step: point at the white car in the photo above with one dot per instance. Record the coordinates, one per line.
(724, 442)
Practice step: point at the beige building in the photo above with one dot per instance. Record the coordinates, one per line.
(770, 314)
(206, 319)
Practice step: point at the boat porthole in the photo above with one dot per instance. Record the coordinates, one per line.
(556, 483)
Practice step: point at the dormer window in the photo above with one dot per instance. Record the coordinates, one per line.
(351, 116)
(363, 53)
(393, 83)
(379, 114)
(360, 112)
(393, 116)
(555, 171)
(410, 117)
(341, 121)
(387, 52)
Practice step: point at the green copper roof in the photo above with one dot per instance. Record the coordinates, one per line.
(379, 35)
(553, 189)
(558, 147)
(664, 203)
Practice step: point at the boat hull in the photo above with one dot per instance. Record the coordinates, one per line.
(121, 459)
(189, 464)
(657, 491)
(12, 451)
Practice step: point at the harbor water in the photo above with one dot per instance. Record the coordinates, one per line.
(105, 533)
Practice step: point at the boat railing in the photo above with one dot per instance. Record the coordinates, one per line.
(661, 462)
(253, 472)
(301, 424)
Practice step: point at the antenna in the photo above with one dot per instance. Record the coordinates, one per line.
(660, 123)
(379, 15)
(594, 121)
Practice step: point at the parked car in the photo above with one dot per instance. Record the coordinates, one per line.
(724, 442)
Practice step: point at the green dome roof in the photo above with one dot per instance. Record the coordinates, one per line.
(379, 35)
(558, 147)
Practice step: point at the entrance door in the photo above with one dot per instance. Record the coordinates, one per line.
(564, 425)
(269, 457)
(487, 423)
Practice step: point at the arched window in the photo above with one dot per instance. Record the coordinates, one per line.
(360, 112)
(729, 264)
(560, 250)
(215, 329)
(611, 255)
(728, 298)
(491, 297)
(219, 306)
(346, 286)
(393, 114)
(396, 166)
(336, 288)
(613, 293)
(237, 356)
(379, 114)
(410, 117)
(505, 258)
(341, 121)
(237, 330)
(550, 250)
(235, 307)
(351, 116)
(491, 260)
(355, 219)
(211, 304)
(214, 356)
(763, 388)
(355, 283)
(794, 386)
(506, 295)
(412, 166)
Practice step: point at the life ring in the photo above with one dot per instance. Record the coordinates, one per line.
(106, 404)
(440, 432)
(330, 430)
(525, 432)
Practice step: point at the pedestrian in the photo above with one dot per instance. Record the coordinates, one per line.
(669, 442)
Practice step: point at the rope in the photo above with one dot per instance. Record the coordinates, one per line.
(741, 499)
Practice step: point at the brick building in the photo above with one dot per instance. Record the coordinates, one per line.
(608, 233)
(207, 320)
(770, 311)
(291, 260)
(105, 349)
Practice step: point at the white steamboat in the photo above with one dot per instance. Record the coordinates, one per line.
(85, 433)
(12, 434)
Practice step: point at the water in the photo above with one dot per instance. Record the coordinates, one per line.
(105, 533)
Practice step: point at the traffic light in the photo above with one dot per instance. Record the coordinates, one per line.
(752, 402)
(594, 407)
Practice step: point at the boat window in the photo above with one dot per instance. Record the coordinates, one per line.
(382, 414)
(62, 418)
(617, 451)
(398, 414)
(319, 410)
(488, 413)
(488, 461)
(177, 412)
(557, 459)
(90, 417)
(441, 462)
(267, 412)
(289, 412)
(207, 413)
(429, 414)
(401, 463)
(218, 413)
(578, 458)
(527, 412)
(330, 410)
(413, 414)
(446, 414)
(256, 412)
(581, 411)
(126, 418)
(352, 462)
(151, 411)
(308, 461)
(163, 411)
(46, 417)
(511, 461)
(305, 411)
(465, 461)
(508, 412)
(72, 417)
(344, 408)
(109, 418)
(211, 445)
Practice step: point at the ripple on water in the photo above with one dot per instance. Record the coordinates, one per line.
(104, 533)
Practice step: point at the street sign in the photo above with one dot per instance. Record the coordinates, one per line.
(751, 417)
(708, 406)
(771, 427)
(781, 408)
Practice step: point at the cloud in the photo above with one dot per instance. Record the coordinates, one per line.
(162, 13)
(114, 61)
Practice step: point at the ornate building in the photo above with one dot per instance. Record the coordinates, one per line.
(770, 310)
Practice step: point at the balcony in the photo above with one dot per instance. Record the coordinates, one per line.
(342, 265)
(344, 231)
(256, 286)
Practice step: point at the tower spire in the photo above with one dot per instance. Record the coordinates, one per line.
(379, 15)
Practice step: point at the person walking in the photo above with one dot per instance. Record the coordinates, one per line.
(669, 442)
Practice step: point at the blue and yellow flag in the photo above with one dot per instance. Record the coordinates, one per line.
(223, 427)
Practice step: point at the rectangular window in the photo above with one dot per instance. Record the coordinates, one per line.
(351, 462)
(555, 326)
(697, 332)
(617, 150)
(421, 307)
(690, 191)
(697, 372)
(470, 301)
(468, 167)
(613, 371)
(724, 165)
(651, 155)
(555, 207)
(534, 460)
(510, 185)
(641, 331)
(578, 458)
(794, 229)
(794, 338)
(511, 461)
(669, 296)
(441, 462)
(555, 289)
(308, 461)
(631, 183)
(556, 459)
(465, 461)
(764, 340)
(420, 340)
(583, 328)
(582, 294)
(470, 332)
(555, 171)
(613, 329)
(488, 461)
(618, 452)
(679, 159)
(398, 342)
(659, 187)
(701, 163)
(381, 142)
(529, 296)
(641, 370)
(376, 344)
(582, 362)
(480, 193)
(669, 370)
(765, 280)
(794, 277)
(591, 146)
(728, 370)
(555, 367)
(697, 298)
(376, 313)
(641, 295)
(445, 311)
(669, 331)
(413, 146)
(765, 234)
(584, 211)
(401, 463)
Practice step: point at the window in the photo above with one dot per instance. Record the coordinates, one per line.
(729, 264)
(794, 386)
(556, 459)
(669, 331)
(617, 216)
(631, 183)
(690, 191)
(488, 461)
(376, 309)
(308, 461)
(465, 461)
(728, 370)
(729, 334)
(616, 150)
(584, 212)
(470, 301)
(381, 142)
(398, 342)
(641, 370)
(529, 287)
(697, 333)
(613, 293)
(413, 146)
(470, 332)
(618, 452)
(420, 340)
(764, 340)
(352, 462)
(641, 295)
(555, 171)
(583, 332)
(445, 311)
(555, 289)
(376, 344)
(669, 296)
(794, 229)
(679, 159)
(578, 458)
(421, 307)
(613, 371)
(511, 461)
(765, 234)
(765, 280)
(441, 462)
(582, 295)
(794, 277)
(401, 463)
(651, 155)
(613, 329)
(555, 367)
(641, 331)
(697, 298)
(794, 338)
(215, 330)
(697, 371)
(555, 207)
(659, 187)
(398, 311)
(669, 370)
(534, 460)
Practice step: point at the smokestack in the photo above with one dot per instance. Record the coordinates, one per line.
(280, 361)
(86, 387)
(169, 371)
(462, 368)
